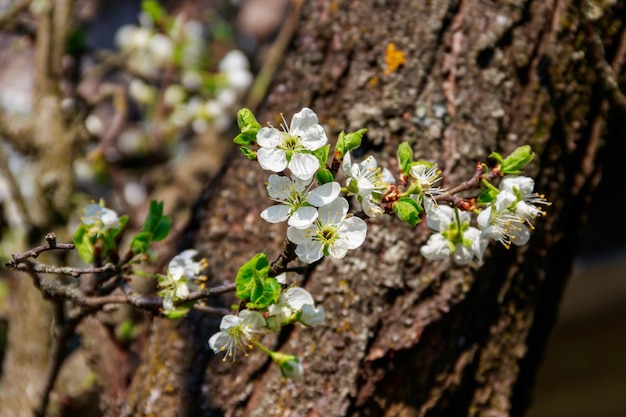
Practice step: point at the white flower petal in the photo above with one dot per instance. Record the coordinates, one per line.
(353, 231)
(182, 291)
(511, 183)
(302, 120)
(334, 213)
(292, 369)
(269, 137)
(310, 252)
(279, 187)
(295, 298)
(370, 208)
(252, 319)
(338, 249)
(300, 236)
(437, 247)
(229, 321)
(388, 177)
(462, 255)
(369, 163)
(520, 236)
(276, 213)
(324, 194)
(312, 316)
(218, 341)
(313, 138)
(303, 217)
(303, 166)
(272, 159)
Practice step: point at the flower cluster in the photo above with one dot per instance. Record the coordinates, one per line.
(308, 197)
(506, 219)
(318, 218)
(242, 332)
(175, 83)
(182, 273)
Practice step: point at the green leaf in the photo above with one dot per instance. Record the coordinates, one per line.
(347, 142)
(518, 159)
(268, 296)
(108, 241)
(162, 229)
(248, 126)
(497, 157)
(405, 157)
(245, 138)
(154, 216)
(486, 196)
(407, 210)
(177, 313)
(141, 242)
(249, 279)
(249, 153)
(324, 176)
(83, 243)
(153, 9)
(488, 193)
(322, 155)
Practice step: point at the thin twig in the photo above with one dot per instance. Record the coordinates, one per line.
(62, 270)
(17, 258)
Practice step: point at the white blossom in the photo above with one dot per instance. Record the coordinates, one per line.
(291, 148)
(100, 219)
(295, 303)
(297, 201)
(332, 234)
(368, 182)
(426, 176)
(236, 332)
(455, 237)
(498, 223)
(182, 271)
(518, 190)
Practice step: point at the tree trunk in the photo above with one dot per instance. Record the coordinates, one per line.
(404, 336)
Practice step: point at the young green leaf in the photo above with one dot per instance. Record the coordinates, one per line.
(407, 210)
(83, 243)
(154, 216)
(322, 155)
(518, 159)
(141, 242)
(324, 176)
(248, 126)
(347, 142)
(269, 294)
(405, 157)
(249, 279)
(249, 153)
(177, 313)
(153, 9)
(162, 229)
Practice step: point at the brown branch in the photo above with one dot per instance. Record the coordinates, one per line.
(287, 255)
(17, 258)
(62, 270)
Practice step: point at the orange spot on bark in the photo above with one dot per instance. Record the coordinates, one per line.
(393, 58)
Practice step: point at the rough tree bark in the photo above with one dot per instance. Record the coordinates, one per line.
(403, 336)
